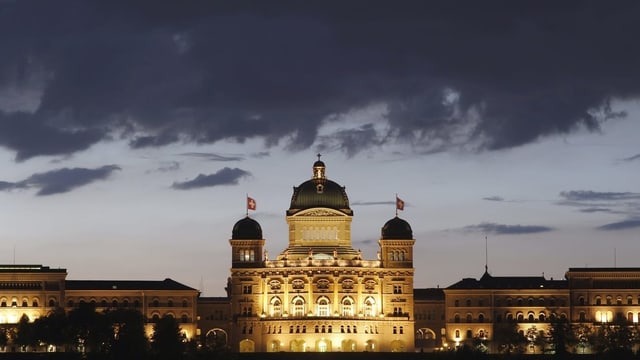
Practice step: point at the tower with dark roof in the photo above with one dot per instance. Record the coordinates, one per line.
(246, 243)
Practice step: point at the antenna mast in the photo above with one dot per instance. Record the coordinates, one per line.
(486, 255)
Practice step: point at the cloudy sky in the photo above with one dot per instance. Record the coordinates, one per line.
(131, 131)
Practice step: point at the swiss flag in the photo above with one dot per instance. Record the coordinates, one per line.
(251, 203)
(399, 203)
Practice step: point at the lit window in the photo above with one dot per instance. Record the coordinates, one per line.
(323, 307)
(347, 307)
(298, 307)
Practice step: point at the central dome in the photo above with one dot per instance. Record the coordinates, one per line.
(319, 192)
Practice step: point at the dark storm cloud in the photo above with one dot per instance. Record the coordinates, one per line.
(632, 158)
(225, 176)
(373, 203)
(619, 203)
(502, 229)
(166, 166)
(476, 74)
(213, 156)
(596, 210)
(493, 198)
(585, 195)
(621, 225)
(61, 180)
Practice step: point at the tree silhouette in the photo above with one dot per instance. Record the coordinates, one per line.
(25, 332)
(89, 329)
(53, 329)
(167, 339)
(129, 340)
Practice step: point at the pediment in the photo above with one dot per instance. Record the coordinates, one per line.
(320, 212)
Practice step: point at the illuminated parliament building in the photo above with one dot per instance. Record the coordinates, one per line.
(320, 295)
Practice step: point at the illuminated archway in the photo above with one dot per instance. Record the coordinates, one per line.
(349, 346)
(397, 346)
(323, 345)
(297, 346)
(371, 346)
(274, 346)
(216, 339)
(247, 345)
(425, 338)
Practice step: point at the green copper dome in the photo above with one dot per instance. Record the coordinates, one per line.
(319, 192)
(397, 229)
(246, 229)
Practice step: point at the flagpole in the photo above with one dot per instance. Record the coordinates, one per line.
(396, 204)
(246, 206)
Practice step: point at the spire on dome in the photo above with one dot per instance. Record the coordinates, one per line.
(318, 169)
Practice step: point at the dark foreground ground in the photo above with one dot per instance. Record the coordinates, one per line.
(330, 356)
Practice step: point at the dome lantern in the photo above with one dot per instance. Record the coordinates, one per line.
(318, 169)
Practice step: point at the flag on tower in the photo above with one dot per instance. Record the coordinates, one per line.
(399, 203)
(251, 203)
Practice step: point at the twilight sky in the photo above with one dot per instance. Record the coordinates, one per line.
(130, 131)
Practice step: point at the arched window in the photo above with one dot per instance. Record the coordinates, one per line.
(520, 317)
(469, 318)
(298, 306)
(581, 300)
(276, 307)
(185, 303)
(34, 303)
(468, 302)
(456, 318)
(369, 309)
(457, 334)
(323, 307)
(598, 301)
(481, 318)
(531, 317)
(347, 306)
(155, 303)
(52, 303)
(542, 317)
(184, 318)
(583, 316)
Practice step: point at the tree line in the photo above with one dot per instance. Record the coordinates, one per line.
(619, 338)
(111, 334)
